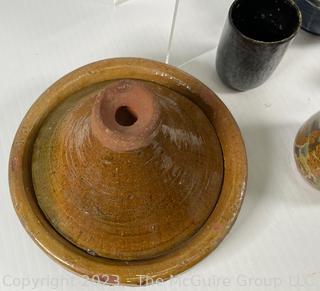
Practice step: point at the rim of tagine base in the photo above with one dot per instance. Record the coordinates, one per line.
(111, 271)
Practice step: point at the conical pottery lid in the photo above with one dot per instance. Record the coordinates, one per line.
(129, 172)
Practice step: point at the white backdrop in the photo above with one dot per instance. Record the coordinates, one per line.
(275, 241)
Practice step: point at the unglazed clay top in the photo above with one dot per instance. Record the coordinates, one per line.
(125, 116)
(128, 172)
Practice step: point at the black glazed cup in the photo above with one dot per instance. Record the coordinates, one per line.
(254, 40)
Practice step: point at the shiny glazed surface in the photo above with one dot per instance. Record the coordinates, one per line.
(310, 10)
(307, 150)
(254, 39)
(127, 205)
(110, 271)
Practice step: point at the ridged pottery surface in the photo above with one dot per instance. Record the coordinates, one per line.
(127, 171)
(127, 205)
(307, 150)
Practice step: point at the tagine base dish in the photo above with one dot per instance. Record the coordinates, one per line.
(88, 80)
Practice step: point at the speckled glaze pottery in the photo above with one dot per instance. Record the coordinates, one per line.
(307, 150)
(254, 40)
(310, 10)
(128, 170)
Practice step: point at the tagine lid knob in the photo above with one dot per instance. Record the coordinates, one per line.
(125, 116)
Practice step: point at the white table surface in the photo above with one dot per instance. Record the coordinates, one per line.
(275, 243)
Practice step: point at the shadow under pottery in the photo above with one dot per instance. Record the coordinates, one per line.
(267, 189)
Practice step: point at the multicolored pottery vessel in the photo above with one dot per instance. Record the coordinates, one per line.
(307, 150)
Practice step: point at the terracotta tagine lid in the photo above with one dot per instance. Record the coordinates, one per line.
(129, 172)
(128, 168)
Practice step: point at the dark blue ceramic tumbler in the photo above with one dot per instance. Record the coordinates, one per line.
(310, 10)
(254, 40)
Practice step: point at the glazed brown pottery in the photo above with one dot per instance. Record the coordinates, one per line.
(128, 169)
